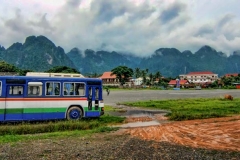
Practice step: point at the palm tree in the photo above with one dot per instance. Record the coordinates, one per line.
(158, 76)
(144, 76)
(137, 72)
(151, 78)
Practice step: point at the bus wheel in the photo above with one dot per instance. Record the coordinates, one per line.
(74, 113)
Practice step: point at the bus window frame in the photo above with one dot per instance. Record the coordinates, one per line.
(81, 95)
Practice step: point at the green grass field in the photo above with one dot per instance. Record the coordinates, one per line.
(188, 109)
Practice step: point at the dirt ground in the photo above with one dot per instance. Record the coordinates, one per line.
(217, 138)
(214, 133)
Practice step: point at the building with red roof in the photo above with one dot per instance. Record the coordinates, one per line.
(182, 83)
(231, 74)
(203, 77)
(109, 79)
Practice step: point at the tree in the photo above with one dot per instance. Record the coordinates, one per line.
(122, 73)
(62, 69)
(151, 78)
(24, 72)
(5, 67)
(144, 74)
(158, 76)
(137, 72)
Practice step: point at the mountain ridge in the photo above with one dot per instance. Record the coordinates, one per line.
(38, 53)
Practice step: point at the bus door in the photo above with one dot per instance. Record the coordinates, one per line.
(93, 98)
(14, 102)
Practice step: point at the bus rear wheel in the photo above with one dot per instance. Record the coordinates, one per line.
(74, 113)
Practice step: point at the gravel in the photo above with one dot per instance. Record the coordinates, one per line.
(107, 146)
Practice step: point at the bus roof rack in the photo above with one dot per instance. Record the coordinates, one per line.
(43, 74)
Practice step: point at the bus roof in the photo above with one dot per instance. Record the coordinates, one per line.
(43, 74)
(49, 78)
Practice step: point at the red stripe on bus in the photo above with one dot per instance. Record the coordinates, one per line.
(41, 99)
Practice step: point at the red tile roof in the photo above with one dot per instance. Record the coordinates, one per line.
(231, 74)
(204, 72)
(107, 75)
(173, 82)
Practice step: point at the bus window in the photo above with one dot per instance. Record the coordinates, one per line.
(80, 89)
(97, 93)
(34, 88)
(15, 90)
(0, 88)
(52, 88)
(74, 89)
(67, 89)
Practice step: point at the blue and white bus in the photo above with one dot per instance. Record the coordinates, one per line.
(29, 98)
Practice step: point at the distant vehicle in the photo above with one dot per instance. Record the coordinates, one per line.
(198, 88)
(29, 98)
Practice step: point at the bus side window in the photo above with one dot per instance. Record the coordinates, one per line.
(97, 93)
(67, 89)
(15, 90)
(34, 88)
(52, 88)
(80, 89)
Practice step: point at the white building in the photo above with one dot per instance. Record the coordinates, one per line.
(137, 81)
(199, 77)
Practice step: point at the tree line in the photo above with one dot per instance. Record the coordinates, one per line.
(123, 73)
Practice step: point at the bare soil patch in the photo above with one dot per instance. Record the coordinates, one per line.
(214, 133)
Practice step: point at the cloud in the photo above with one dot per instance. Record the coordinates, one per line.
(205, 30)
(172, 12)
(133, 26)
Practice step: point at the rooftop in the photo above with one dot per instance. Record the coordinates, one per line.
(106, 75)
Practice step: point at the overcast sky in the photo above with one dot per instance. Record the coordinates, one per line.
(137, 26)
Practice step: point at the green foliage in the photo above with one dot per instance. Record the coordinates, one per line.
(6, 67)
(24, 72)
(228, 82)
(137, 72)
(122, 73)
(62, 69)
(185, 109)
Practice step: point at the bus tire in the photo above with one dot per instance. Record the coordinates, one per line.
(74, 113)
